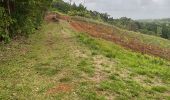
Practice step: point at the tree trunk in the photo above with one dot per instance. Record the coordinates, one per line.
(8, 5)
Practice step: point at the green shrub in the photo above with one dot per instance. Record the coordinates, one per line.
(5, 22)
(21, 17)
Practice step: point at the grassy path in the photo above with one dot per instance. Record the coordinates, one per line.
(48, 65)
(56, 64)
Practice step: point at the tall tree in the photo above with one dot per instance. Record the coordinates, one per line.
(21, 16)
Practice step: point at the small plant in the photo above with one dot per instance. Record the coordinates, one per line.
(86, 67)
(159, 89)
(65, 79)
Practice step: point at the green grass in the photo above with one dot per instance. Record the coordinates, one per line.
(136, 64)
(159, 89)
(86, 66)
(87, 93)
(144, 38)
(31, 67)
(126, 89)
(93, 69)
(141, 64)
(148, 39)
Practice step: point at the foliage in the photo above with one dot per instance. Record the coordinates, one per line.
(21, 17)
(78, 10)
(80, 13)
(147, 27)
(4, 24)
(156, 27)
(61, 6)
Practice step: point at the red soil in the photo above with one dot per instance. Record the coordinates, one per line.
(60, 88)
(107, 32)
(112, 34)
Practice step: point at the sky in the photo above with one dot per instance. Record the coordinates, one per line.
(135, 9)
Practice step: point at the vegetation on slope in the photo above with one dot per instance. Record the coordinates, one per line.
(142, 43)
(159, 28)
(138, 71)
(58, 63)
(21, 17)
(148, 39)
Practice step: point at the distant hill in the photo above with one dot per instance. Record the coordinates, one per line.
(164, 20)
(156, 27)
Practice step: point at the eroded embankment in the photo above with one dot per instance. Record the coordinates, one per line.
(112, 34)
(108, 33)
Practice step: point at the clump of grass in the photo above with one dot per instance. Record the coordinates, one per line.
(110, 55)
(94, 53)
(113, 76)
(124, 88)
(86, 66)
(115, 86)
(147, 80)
(87, 92)
(46, 69)
(160, 89)
(65, 79)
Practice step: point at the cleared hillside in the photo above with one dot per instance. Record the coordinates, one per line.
(60, 63)
(142, 43)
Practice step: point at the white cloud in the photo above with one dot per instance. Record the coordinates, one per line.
(136, 9)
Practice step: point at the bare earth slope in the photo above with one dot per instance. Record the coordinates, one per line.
(122, 38)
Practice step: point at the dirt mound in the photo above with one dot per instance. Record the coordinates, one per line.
(107, 32)
(51, 17)
(54, 17)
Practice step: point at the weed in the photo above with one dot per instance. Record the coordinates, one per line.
(66, 79)
(160, 89)
(87, 93)
(86, 67)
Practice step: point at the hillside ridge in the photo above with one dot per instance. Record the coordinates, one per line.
(59, 62)
(124, 38)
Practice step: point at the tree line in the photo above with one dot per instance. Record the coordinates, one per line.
(21, 17)
(155, 27)
(78, 10)
(159, 28)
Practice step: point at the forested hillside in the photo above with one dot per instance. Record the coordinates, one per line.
(159, 28)
(21, 17)
(164, 20)
(24, 17)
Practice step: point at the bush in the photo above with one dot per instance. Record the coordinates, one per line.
(5, 22)
(21, 17)
(79, 13)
